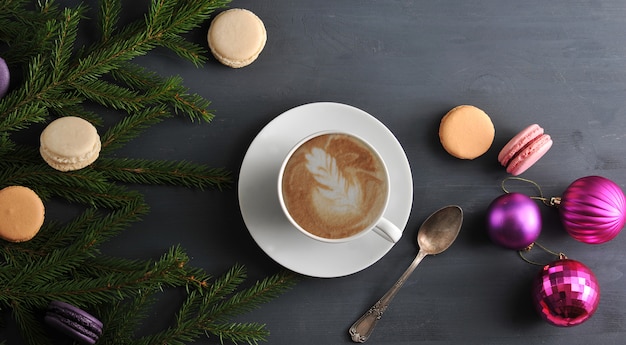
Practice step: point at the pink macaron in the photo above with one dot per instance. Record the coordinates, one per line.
(525, 149)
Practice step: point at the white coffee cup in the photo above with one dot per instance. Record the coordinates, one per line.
(334, 187)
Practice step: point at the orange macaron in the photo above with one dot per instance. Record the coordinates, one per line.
(21, 213)
(466, 132)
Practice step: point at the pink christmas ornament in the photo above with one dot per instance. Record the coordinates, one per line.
(566, 293)
(592, 209)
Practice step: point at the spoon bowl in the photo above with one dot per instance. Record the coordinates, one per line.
(439, 230)
(435, 235)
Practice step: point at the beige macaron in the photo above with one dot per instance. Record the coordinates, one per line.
(466, 132)
(69, 143)
(236, 37)
(21, 213)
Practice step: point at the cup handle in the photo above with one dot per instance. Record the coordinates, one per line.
(388, 230)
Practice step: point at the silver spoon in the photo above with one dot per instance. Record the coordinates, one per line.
(435, 235)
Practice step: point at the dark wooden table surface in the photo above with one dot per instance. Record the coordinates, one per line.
(561, 64)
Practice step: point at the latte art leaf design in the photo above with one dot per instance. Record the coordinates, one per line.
(345, 194)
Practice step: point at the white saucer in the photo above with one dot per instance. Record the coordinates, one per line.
(258, 197)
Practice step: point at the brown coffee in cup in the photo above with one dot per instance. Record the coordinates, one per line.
(335, 186)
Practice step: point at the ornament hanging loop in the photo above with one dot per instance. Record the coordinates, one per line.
(522, 254)
(553, 201)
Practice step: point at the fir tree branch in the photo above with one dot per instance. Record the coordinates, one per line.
(53, 236)
(168, 271)
(32, 331)
(14, 119)
(114, 197)
(170, 89)
(43, 87)
(106, 58)
(109, 95)
(131, 126)
(78, 110)
(63, 45)
(7, 146)
(164, 18)
(109, 17)
(123, 318)
(87, 186)
(163, 173)
(44, 177)
(195, 316)
(14, 18)
(226, 284)
(185, 49)
(64, 261)
(136, 77)
(83, 234)
(193, 105)
(79, 244)
(247, 300)
(251, 333)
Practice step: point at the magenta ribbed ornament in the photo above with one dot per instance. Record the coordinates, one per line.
(566, 293)
(593, 209)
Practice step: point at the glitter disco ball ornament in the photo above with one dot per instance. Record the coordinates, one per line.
(593, 209)
(566, 293)
(513, 221)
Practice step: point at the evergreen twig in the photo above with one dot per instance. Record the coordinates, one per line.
(63, 78)
(161, 172)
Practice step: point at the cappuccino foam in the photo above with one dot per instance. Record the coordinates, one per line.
(334, 186)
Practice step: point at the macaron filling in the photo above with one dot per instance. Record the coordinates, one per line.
(74, 322)
(520, 151)
(59, 159)
(529, 154)
(518, 142)
(73, 329)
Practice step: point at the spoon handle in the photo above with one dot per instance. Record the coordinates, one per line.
(364, 326)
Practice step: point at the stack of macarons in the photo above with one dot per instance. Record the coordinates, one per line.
(467, 132)
(74, 322)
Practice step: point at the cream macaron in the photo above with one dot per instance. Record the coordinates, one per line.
(69, 143)
(21, 213)
(236, 37)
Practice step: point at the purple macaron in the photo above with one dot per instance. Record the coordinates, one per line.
(74, 322)
(4, 77)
